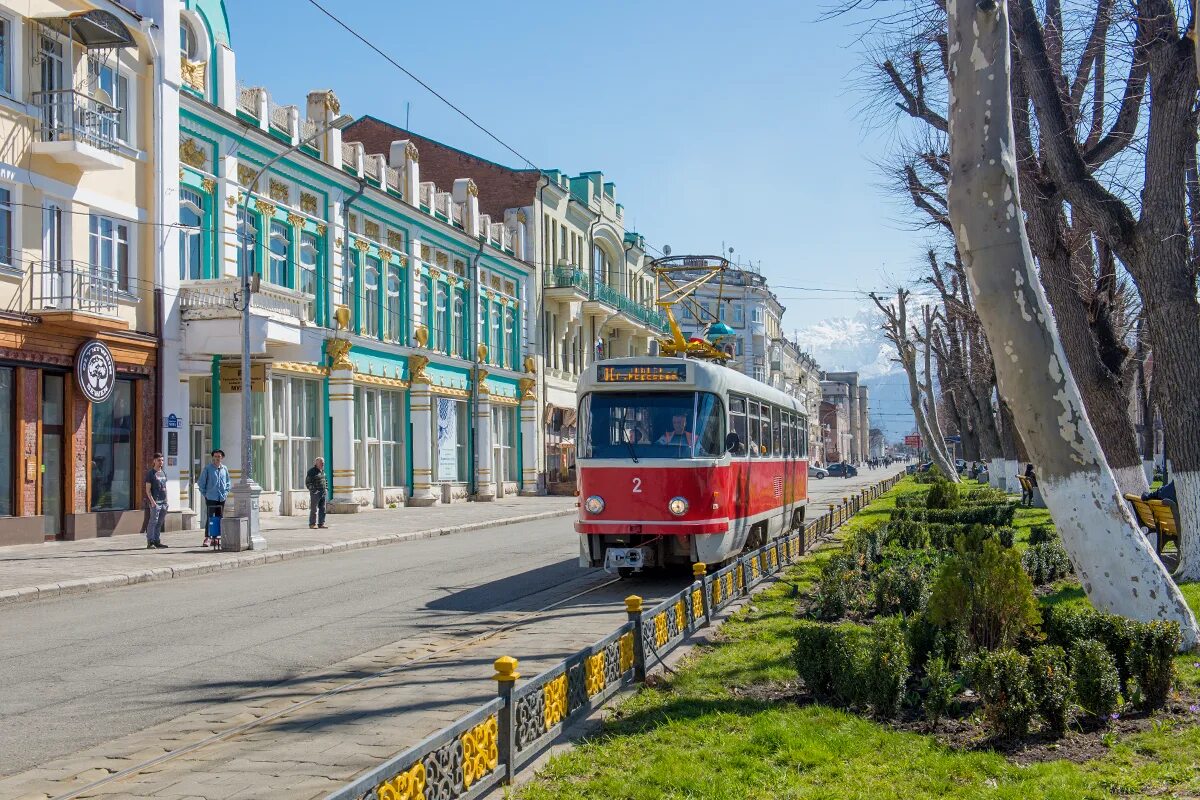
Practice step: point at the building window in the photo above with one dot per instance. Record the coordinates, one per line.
(248, 231)
(371, 297)
(5, 56)
(108, 242)
(739, 314)
(510, 323)
(451, 440)
(366, 444)
(439, 319)
(278, 254)
(189, 43)
(498, 348)
(304, 428)
(456, 327)
(505, 430)
(395, 303)
(258, 439)
(310, 250)
(7, 454)
(6, 224)
(391, 438)
(112, 450)
(191, 232)
(111, 87)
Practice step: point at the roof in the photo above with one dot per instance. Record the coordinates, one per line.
(500, 187)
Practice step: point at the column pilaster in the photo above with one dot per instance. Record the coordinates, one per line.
(341, 413)
(485, 483)
(421, 408)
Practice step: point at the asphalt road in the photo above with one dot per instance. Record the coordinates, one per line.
(83, 670)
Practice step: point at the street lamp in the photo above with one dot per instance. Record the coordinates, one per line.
(246, 492)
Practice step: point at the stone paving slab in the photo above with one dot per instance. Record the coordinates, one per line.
(37, 571)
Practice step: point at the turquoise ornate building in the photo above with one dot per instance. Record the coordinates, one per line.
(389, 329)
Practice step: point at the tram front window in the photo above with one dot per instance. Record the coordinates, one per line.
(651, 425)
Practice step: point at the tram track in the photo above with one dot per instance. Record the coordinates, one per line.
(322, 696)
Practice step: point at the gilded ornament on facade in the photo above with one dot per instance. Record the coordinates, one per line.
(362, 245)
(231, 201)
(416, 369)
(521, 218)
(339, 353)
(434, 273)
(332, 104)
(441, 259)
(341, 317)
(411, 153)
(426, 253)
(421, 335)
(527, 386)
(482, 352)
(208, 185)
(395, 240)
(530, 364)
(193, 73)
(338, 243)
(481, 377)
(452, 280)
(295, 219)
(308, 203)
(278, 190)
(460, 266)
(321, 229)
(264, 208)
(472, 189)
(192, 153)
(181, 173)
(385, 254)
(245, 174)
(371, 229)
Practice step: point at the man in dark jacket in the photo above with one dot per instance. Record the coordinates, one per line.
(318, 489)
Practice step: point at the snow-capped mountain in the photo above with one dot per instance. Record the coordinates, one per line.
(857, 344)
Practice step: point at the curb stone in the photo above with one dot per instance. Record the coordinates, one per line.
(79, 585)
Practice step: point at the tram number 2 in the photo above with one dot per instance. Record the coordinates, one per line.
(637, 485)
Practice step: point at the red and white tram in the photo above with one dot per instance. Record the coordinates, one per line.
(683, 460)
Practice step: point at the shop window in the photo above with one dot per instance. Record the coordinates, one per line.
(305, 428)
(112, 450)
(391, 437)
(258, 439)
(7, 453)
(504, 420)
(451, 440)
(191, 235)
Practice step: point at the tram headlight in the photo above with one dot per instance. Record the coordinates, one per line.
(678, 506)
(594, 504)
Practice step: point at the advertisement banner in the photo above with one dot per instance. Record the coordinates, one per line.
(447, 440)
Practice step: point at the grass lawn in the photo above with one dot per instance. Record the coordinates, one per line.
(703, 734)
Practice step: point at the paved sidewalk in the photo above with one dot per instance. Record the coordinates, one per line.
(34, 571)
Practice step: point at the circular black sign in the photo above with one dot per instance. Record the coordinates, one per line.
(95, 371)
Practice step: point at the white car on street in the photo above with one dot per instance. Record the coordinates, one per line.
(817, 472)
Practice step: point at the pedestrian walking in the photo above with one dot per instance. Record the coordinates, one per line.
(318, 489)
(214, 487)
(156, 498)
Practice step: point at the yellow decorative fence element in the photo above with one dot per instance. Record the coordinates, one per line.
(554, 700)
(716, 594)
(741, 575)
(480, 753)
(681, 613)
(660, 630)
(408, 785)
(697, 603)
(594, 674)
(727, 579)
(625, 645)
(754, 569)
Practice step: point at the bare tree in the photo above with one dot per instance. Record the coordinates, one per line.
(895, 330)
(1116, 565)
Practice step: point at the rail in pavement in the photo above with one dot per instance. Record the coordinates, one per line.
(487, 746)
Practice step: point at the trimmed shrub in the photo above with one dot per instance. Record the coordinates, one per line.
(1052, 688)
(942, 535)
(933, 475)
(829, 660)
(837, 588)
(1040, 534)
(909, 535)
(925, 640)
(868, 542)
(1046, 562)
(974, 515)
(1066, 627)
(1152, 661)
(1006, 536)
(985, 495)
(942, 494)
(913, 500)
(886, 670)
(902, 582)
(986, 594)
(1002, 678)
(1095, 673)
(939, 689)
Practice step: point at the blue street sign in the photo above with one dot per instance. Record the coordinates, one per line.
(172, 421)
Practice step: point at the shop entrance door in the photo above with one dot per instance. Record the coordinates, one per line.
(198, 460)
(52, 455)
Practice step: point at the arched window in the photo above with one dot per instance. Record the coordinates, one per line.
(278, 253)
(191, 235)
(371, 297)
(189, 42)
(439, 319)
(248, 233)
(309, 253)
(457, 326)
(498, 343)
(423, 303)
(395, 303)
(510, 360)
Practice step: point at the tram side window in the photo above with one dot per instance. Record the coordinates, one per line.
(787, 435)
(764, 437)
(802, 437)
(737, 423)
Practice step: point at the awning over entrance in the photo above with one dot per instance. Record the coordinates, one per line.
(96, 29)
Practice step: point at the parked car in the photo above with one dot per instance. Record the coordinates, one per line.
(843, 470)
(817, 472)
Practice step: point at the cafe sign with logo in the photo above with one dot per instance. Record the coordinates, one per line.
(95, 371)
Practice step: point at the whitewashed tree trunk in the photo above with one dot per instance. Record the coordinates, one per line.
(996, 473)
(1116, 564)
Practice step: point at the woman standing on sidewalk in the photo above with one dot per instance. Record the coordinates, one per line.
(156, 495)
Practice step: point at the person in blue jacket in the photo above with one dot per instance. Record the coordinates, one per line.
(215, 486)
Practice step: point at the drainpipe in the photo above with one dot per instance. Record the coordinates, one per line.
(148, 27)
(472, 484)
(543, 336)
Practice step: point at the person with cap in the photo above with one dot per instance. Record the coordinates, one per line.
(214, 486)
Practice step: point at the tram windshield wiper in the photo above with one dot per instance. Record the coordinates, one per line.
(625, 435)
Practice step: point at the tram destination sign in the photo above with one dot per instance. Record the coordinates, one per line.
(642, 373)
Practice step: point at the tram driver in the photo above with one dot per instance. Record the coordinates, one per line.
(679, 435)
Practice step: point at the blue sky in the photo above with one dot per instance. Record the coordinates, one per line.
(718, 122)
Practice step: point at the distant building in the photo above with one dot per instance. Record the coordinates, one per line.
(878, 445)
(855, 398)
(835, 423)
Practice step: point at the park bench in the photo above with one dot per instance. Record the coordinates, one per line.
(1159, 517)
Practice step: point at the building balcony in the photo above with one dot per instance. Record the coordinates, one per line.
(78, 129)
(278, 315)
(75, 294)
(642, 316)
(572, 281)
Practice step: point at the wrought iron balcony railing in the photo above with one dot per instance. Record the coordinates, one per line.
(68, 115)
(74, 286)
